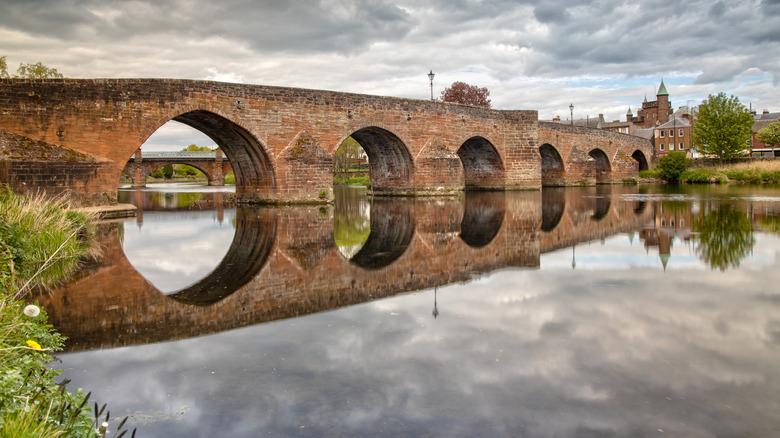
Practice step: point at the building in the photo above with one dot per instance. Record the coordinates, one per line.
(758, 149)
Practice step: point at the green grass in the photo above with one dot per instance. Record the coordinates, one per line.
(352, 181)
(703, 175)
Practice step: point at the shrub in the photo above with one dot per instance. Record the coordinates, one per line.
(672, 165)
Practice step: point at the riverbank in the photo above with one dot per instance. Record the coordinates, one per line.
(764, 171)
(41, 243)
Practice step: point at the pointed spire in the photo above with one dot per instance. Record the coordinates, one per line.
(629, 113)
(662, 89)
(645, 98)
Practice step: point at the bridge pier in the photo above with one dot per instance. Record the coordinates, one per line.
(138, 177)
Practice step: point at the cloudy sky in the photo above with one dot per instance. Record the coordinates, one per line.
(602, 56)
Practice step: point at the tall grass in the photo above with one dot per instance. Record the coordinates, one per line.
(42, 240)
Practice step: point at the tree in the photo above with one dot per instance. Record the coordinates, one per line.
(770, 134)
(196, 148)
(672, 165)
(723, 127)
(347, 155)
(29, 71)
(461, 92)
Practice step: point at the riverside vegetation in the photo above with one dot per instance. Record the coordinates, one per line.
(674, 168)
(41, 243)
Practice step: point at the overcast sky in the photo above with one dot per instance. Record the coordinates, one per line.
(602, 56)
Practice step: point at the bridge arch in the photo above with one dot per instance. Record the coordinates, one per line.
(248, 158)
(600, 165)
(553, 169)
(483, 166)
(641, 159)
(389, 160)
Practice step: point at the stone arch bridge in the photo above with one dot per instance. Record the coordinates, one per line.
(281, 141)
(213, 164)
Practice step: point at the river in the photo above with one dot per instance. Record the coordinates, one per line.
(601, 311)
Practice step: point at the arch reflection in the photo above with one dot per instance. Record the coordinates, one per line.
(254, 238)
(483, 214)
(553, 204)
(392, 228)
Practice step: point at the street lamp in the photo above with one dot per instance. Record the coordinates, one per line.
(571, 110)
(430, 76)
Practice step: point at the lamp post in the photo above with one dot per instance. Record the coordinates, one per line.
(571, 110)
(430, 76)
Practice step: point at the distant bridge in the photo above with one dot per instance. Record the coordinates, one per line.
(212, 163)
(280, 141)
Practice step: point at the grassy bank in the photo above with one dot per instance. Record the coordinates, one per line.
(352, 181)
(41, 243)
(759, 172)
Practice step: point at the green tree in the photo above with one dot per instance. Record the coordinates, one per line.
(346, 155)
(29, 71)
(3, 68)
(672, 165)
(196, 148)
(461, 92)
(167, 171)
(723, 127)
(770, 134)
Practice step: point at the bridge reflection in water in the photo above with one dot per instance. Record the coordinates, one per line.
(283, 262)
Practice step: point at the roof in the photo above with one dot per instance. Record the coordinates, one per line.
(629, 113)
(674, 123)
(662, 90)
(644, 133)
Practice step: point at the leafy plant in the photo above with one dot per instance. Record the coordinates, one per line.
(672, 165)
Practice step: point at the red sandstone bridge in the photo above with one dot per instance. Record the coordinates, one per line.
(280, 141)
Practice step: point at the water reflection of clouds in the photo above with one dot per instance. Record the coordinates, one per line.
(548, 352)
(172, 253)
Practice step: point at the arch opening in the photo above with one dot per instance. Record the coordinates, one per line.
(601, 166)
(254, 175)
(483, 167)
(641, 160)
(389, 160)
(552, 166)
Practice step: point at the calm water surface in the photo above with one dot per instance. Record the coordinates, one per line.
(605, 311)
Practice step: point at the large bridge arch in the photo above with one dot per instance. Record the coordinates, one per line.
(250, 162)
(483, 166)
(390, 164)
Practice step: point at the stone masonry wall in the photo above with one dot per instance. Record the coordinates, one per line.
(254, 125)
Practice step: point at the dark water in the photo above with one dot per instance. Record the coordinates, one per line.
(605, 311)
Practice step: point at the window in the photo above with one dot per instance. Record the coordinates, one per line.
(671, 146)
(663, 133)
(681, 133)
(662, 146)
(682, 146)
(671, 133)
